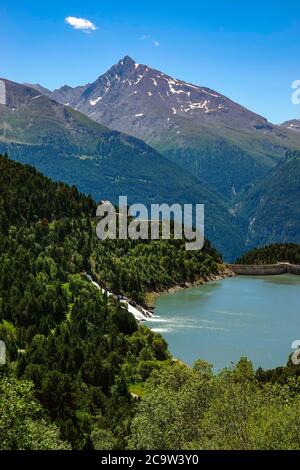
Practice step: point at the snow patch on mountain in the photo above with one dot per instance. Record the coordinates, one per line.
(140, 77)
(94, 102)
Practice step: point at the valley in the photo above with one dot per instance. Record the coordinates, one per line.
(149, 232)
(237, 157)
(68, 146)
(78, 361)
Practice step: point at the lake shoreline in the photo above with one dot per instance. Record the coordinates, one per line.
(240, 316)
(222, 273)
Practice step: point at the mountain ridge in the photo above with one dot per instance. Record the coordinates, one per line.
(67, 145)
(216, 139)
(293, 124)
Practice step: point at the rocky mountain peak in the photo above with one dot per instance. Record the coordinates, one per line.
(127, 61)
(124, 68)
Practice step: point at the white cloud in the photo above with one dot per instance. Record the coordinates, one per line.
(80, 23)
(147, 37)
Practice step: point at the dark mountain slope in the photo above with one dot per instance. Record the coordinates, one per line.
(271, 207)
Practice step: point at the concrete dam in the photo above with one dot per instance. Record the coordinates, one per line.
(264, 269)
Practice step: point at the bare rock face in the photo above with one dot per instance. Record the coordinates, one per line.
(294, 125)
(130, 95)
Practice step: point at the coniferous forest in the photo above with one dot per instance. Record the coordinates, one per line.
(81, 372)
(272, 254)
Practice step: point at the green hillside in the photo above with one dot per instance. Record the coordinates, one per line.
(229, 158)
(80, 348)
(271, 207)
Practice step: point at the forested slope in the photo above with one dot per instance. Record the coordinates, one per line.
(74, 355)
(272, 254)
(79, 348)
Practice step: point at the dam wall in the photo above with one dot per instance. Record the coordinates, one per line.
(264, 269)
(294, 269)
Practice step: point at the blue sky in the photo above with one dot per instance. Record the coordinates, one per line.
(248, 50)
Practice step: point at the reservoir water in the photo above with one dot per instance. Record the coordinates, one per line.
(256, 317)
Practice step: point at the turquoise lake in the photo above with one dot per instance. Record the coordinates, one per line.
(257, 317)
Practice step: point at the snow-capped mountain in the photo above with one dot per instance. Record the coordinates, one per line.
(130, 95)
(202, 130)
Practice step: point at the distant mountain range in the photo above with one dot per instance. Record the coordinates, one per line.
(66, 145)
(171, 141)
(216, 139)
